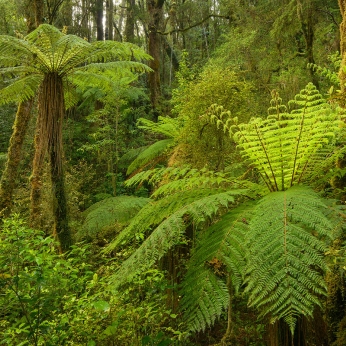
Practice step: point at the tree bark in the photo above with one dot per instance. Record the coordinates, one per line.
(307, 21)
(10, 174)
(99, 19)
(130, 21)
(154, 8)
(110, 18)
(49, 126)
(39, 10)
(342, 72)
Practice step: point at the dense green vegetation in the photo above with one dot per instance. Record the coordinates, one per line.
(172, 172)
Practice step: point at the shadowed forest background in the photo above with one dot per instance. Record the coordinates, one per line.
(173, 172)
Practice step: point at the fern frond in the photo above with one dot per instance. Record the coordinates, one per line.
(150, 155)
(285, 147)
(130, 155)
(121, 67)
(14, 51)
(113, 50)
(220, 250)
(287, 240)
(204, 300)
(178, 179)
(172, 215)
(21, 89)
(165, 126)
(110, 211)
(170, 180)
(169, 127)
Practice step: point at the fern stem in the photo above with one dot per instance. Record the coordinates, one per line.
(229, 330)
(298, 143)
(269, 163)
(267, 182)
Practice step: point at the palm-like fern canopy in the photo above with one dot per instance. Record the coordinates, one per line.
(47, 50)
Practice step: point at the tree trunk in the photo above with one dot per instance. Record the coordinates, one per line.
(50, 120)
(10, 174)
(228, 337)
(342, 73)
(109, 21)
(39, 10)
(130, 21)
(99, 19)
(307, 21)
(154, 8)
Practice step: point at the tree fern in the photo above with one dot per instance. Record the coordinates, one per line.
(287, 240)
(45, 62)
(219, 251)
(287, 231)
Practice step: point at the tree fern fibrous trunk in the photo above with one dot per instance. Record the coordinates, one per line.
(10, 174)
(49, 137)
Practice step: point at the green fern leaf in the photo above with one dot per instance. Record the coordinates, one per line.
(172, 215)
(285, 147)
(110, 211)
(287, 240)
(219, 251)
(151, 155)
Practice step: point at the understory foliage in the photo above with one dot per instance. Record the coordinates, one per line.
(274, 246)
(110, 212)
(225, 231)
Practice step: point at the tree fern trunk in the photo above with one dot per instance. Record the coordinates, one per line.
(10, 174)
(50, 120)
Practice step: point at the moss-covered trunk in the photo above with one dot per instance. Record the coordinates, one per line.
(342, 73)
(49, 137)
(10, 174)
(154, 9)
